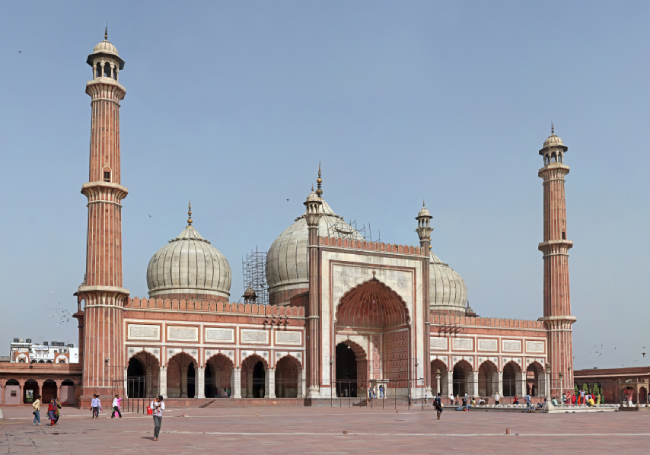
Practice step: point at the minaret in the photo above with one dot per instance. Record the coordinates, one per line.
(557, 302)
(312, 215)
(424, 232)
(102, 292)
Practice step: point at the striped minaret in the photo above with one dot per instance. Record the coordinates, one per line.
(102, 292)
(557, 301)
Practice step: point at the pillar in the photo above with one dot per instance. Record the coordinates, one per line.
(438, 387)
(21, 384)
(162, 380)
(149, 382)
(474, 387)
(500, 383)
(2, 392)
(236, 383)
(424, 230)
(450, 383)
(200, 392)
(271, 381)
(125, 377)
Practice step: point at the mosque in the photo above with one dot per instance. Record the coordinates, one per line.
(345, 314)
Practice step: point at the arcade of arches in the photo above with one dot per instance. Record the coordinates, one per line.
(374, 316)
(488, 380)
(182, 377)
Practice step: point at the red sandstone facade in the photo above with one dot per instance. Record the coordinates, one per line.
(365, 320)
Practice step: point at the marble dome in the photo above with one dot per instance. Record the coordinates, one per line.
(287, 262)
(105, 48)
(189, 267)
(447, 289)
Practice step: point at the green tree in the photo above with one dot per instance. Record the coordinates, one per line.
(576, 390)
(585, 387)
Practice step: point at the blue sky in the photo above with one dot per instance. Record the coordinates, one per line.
(234, 104)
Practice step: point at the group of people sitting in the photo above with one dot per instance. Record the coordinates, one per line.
(581, 399)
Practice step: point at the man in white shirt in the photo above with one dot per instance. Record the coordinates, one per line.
(96, 405)
(116, 406)
(157, 406)
(497, 398)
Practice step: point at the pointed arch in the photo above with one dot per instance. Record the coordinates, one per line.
(372, 304)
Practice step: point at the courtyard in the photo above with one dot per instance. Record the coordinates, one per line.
(321, 430)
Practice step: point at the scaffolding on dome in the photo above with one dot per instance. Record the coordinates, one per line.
(254, 268)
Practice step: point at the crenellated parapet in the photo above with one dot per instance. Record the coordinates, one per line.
(215, 307)
(370, 246)
(451, 320)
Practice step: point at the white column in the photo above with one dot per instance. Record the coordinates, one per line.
(474, 386)
(236, 383)
(303, 383)
(200, 393)
(450, 383)
(270, 375)
(500, 383)
(126, 389)
(184, 383)
(162, 380)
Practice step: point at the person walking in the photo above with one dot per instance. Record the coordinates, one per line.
(157, 406)
(96, 406)
(528, 405)
(51, 412)
(37, 411)
(57, 412)
(437, 403)
(116, 406)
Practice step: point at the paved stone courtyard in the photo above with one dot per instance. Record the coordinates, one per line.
(320, 430)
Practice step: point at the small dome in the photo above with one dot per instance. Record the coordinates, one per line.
(189, 267)
(447, 289)
(287, 262)
(105, 47)
(424, 212)
(553, 141)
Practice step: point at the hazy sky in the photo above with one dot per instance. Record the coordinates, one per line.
(233, 105)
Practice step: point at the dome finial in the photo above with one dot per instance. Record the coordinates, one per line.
(552, 128)
(106, 33)
(319, 181)
(422, 202)
(189, 214)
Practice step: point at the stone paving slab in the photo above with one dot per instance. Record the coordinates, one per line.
(263, 430)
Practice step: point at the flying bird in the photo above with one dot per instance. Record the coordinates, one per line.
(20, 52)
(149, 216)
(287, 200)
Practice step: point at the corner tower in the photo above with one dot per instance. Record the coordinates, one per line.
(102, 291)
(555, 247)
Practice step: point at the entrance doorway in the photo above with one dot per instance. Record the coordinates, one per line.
(346, 371)
(191, 381)
(462, 375)
(259, 378)
(135, 379)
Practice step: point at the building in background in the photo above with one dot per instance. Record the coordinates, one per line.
(24, 351)
(345, 314)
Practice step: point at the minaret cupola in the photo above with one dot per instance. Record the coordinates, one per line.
(105, 60)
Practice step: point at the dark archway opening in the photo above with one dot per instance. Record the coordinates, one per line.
(460, 380)
(210, 391)
(346, 371)
(135, 379)
(31, 391)
(258, 381)
(509, 381)
(191, 381)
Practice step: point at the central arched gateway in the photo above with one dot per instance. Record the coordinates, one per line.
(372, 323)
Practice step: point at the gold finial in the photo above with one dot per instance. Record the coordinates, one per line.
(106, 33)
(552, 129)
(319, 180)
(312, 187)
(422, 202)
(189, 215)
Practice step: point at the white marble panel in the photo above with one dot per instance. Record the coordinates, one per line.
(219, 335)
(534, 346)
(438, 343)
(463, 344)
(144, 332)
(488, 345)
(176, 333)
(255, 336)
(511, 345)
